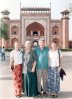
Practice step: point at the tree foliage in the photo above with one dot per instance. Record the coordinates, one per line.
(4, 31)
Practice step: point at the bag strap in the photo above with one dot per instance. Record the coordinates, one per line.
(59, 57)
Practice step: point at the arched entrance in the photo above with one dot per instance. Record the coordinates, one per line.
(14, 30)
(35, 28)
(55, 30)
(34, 31)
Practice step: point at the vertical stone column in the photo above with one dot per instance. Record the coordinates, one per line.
(65, 33)
(38, 33)
(65, 29)
(45, 33)
(23, 31)
(48, 26)
(31, 33)
(3, 42)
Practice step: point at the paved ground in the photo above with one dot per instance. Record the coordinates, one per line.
(6, 84)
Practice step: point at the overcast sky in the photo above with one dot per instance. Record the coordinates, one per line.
(56, 7)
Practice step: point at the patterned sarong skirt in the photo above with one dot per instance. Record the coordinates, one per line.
(53, 83)
(17, 78)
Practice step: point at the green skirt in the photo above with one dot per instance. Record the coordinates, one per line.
(30, 84)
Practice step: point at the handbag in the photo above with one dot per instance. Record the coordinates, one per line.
(62, 73)
(61, 70)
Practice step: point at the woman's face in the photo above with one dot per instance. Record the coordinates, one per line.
(17, 46)
(28, 45)
(53, 46)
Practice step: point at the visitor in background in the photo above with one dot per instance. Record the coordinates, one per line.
(3, 54)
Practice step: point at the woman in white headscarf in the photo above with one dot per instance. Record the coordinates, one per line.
(30, 81)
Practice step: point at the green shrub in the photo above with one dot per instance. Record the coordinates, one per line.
(9, 49)
(66, 49)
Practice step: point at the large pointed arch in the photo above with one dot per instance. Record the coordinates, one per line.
(55, 30)
(35, 27)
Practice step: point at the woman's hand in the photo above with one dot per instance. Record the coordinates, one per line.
(33, 69)
(12, 67)
(59, 68)
(34, 66)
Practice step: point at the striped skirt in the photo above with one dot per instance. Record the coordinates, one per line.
(53, 83)
(17, 78)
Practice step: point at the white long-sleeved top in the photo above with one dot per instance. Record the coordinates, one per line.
(54, 58)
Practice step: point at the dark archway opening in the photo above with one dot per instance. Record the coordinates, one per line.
(35, 33)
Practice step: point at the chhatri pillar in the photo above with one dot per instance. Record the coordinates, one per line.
(65, 28)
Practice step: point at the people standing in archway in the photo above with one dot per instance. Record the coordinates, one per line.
(42, 66)
(16, 67)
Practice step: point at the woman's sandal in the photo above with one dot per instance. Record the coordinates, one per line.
(18, 96)
(53, 95)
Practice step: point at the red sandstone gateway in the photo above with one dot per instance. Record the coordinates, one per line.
(35, 23)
